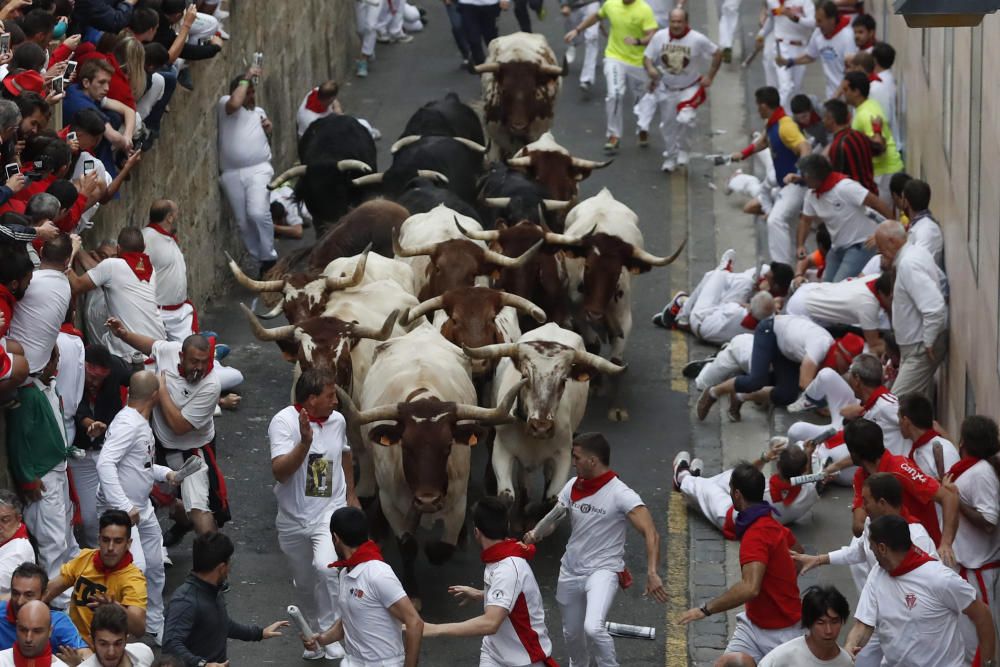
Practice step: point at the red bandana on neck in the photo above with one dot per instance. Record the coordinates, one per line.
(140, 264)
(867, 45)
(507, 549)
(928, 435)
(315, 420)
(963, 464)
(68, 328)
(841, 24)
(778, 114)
(829, 183)
(915, 557)
(314, 104)
(157, 227)
(587, 487)
(682, 35)
(122, 564)
(43, 660)
(876, 392)
(749, 322)
(19, 534)
(874, 77)
(364, 553)
(782, 491)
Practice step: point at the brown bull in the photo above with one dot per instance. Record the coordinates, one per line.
(553, 167)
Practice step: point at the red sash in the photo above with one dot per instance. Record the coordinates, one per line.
(364, 553)
(928, 435)
(587, 487)
(782, 491)
(140, 264)
(874, 77)
(915, 557)
(507, 549)
(20, 533)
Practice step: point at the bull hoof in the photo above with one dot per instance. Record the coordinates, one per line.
(439, 553)
(507, 498)
(618, 415)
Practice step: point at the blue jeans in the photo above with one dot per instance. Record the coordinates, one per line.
(769, 366)
(847, 262)
(155, 117)
(479, 23)
(455, 18)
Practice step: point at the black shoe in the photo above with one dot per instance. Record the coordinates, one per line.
(693, 368)
(174, 535)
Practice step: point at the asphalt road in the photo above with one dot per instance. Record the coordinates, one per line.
(404, 77)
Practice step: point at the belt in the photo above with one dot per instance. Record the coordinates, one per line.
(178, 306)
(995, 565)
(793, 42)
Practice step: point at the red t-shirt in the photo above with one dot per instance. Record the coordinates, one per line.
(919, 490)
(777, 606)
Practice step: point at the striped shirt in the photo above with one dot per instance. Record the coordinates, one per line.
(851, 154)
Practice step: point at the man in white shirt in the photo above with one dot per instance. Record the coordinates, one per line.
(513, 621)
(919, 310)
(70, 375)
(245, 163)
(127, 473)
(675, 60)
(732, 360)
(372, 602)
(34, 627)
(841, 204)
(861, 303)
(915, 602)
(320, 102)
(109, 632)
(794, 21)
(575, 11)
(824, 612)
(931, 451)
(176, 310)
(15, 547)
(883, 88)
(600, 506)
(923, 229)
(832, 41)
(312, 464)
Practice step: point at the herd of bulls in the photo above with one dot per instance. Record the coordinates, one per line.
(457, 302)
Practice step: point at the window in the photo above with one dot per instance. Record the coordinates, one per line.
(975, 148)
(947, 88)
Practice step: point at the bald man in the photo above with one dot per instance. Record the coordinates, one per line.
(127, 473)
(32, 647)
(919, 309)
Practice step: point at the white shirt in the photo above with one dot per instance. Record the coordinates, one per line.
(849, 302)
(195, 401)
(598, 522)
(511, 584)
(680, 60)
(924, 456)
(787, 30)
(69, 381)
(919, 311)
(140, 655)
(842, 208)
(978, 487)
(859, 551)
(832, 51)
(317, 487)
(131, 300)
(39, 314)
(295, 211)
(371, 633)
(304, 117)
(925, 232)
(125, 467)
(916, 614)
(884, 92)
(7, 659)
(242, 140)
(800, 338)
(796, 653)
(169, 266)
(804, 501)
(885, 413)
(12, 554)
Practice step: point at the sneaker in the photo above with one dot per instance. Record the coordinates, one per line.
(666, 318)
(682, 158)
(362, 70)
(570, 54)
(403, 39)
(727, 55)
(612, 145)
(693, 368)
(222, 34)
(696, 467)
(705, 403)
(735, 404)
(682, 462)
(726, 261)
(383, 38)
(184, 79)
(318, 654)
(668, 165)
(643, 138)
(222, 351)
(802, 404)
(334, 651)
(585, 87)
(167, 560)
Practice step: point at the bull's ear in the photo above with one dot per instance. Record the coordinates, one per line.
(468, 434)
(582, 372)
(636, 266)
(574, 251)
(386, 434)
(289, 350)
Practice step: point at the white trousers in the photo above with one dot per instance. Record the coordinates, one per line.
(309, 549)
(348, 661)
(204, 28)
(767, 57)
(619, 78)
(830, 386)
(147, 554)
(710, 495)
(86, 482)
(591, 39)
(757, 642)
(367, 14)
(229, 377)
(487, 661)
(789, 78)
(731, 361)
(583, 603)
(50, 522)
(783, 222)
(714, 309)
(389, 22)
(178, 323)
(676, 135)
(246, 190)
(729, 21)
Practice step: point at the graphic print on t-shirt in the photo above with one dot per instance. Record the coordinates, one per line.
(318, 477)
(675, 57)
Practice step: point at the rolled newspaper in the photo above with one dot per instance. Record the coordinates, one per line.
(799, 480)
(626, 630)
(300, 621)
(190, 467)
(825, 435)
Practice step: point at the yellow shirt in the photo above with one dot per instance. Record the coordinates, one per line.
(627, 20)
(126, 585)
(888, 162)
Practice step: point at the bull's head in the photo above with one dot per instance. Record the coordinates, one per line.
(426, 429)
(552, 165)
(518, 83)
(299, 170)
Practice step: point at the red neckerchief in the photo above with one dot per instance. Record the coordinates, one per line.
(829, 183)
(782, 491)
(43, 660)
(928, 435)
(963, 464)
(315, 420)
(364, 553)
(587, 487)
(874, 77)
(878, 391)
(778, 114)
(314, 104)
(7, 303)
(749, 322)
(865, 47)
(122, 564)
(915, 557)
(841, 24)
(68, 328)
(140, 264)
(680, 36)
(157, 227)
(507, 549)
(20, 533)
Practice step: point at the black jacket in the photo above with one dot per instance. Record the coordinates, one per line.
(166, 35)
(108, 403)
(105, 15)
(197, 624)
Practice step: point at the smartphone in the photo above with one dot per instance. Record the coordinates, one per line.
(57, 85)
(5, 42)
(88, 166)
(12, 169)
(71, 136)
(70, 68)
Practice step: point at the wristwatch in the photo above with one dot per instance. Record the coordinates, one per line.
(704, 609)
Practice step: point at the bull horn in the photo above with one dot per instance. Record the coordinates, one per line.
(354, 165)
(347, 407)
(649, 258)
(491, 68)
(497, 202)
(580, 163)
(599, 363)
(523, 305)
(269, 315)
(555, 204)
(487, 416)
(470, 144)
(421, 309)
(368, 179)
(287, 175)
(250, 283)
(541, 219)
(379, 414)
(343, 282)
(403, 142)
(417, 251)
(519, 161)
(554, 70)
(477, 234)
(380, 334)
(435, 175)
(553, 238)
(490, 352)
(277, 333)
(511, 262)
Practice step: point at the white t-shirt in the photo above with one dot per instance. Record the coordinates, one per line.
(371, 633)
(831, 52)
(924, 456)
(69, 381)
(843, 210)
(511, 584)
(125, 466)
(885, 413)
(317, 487)
(787, 31)
(598, 526)
(926, 233)
(916, 614)
(859, 551)
(242, 140)
(39, 314)
(131, 300)
(195, 401)
(140, 654)
(883, 91)
(12, 554)
(798, 508)
(7, 659)
(169, 265)
(680, 60)
(285, 196)
(800, 337)
(847, 302)
(304, 117)
(978, 487)
(796, 653)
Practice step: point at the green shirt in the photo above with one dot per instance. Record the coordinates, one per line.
(888, 162)
(634, 20)
(35, 440)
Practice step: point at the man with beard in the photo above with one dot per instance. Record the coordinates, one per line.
(109, 632)
(184, 425)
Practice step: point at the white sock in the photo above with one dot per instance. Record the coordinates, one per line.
(711, 392)
(681, 475)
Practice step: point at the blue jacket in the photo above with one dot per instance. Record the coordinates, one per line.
(63, 631)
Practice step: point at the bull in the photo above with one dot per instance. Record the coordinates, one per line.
(509, 195)
(554, 168)
(422, 195)
(447, 117)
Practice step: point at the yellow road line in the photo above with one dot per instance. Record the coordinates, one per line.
(678, 279)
